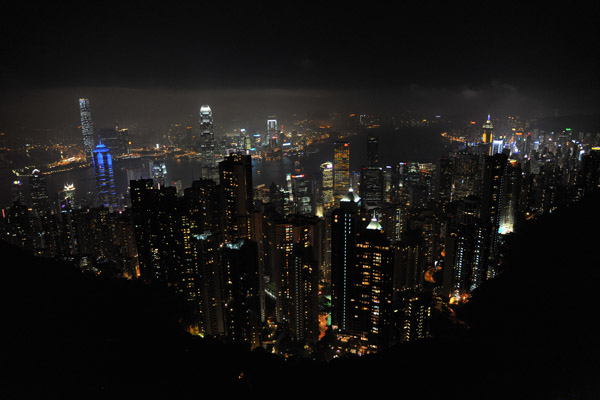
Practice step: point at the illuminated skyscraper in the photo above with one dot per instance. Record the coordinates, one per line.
(241, 296)
(492, 205)
(207, 143)
(371, 185)
(497, 146)
(40, 202)
(105, 180)
(488, 135)
(371, 288)
(465, 176)
(327, 185)
(488, 131)
(16, 192)
(237, 196)
(345, 222)
(87, 127)
(295, 253)
(341, 170)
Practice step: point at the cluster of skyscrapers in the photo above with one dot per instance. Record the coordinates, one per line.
(374, 253)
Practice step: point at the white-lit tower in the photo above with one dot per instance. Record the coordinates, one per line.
(207, 143)
(87, 127)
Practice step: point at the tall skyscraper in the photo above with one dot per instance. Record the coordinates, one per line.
(40, 202)
(237, 196)
(211, 285)
(341, 170)
(492, 205)
(105, 179)
(327, 185)
(465, 176)
(43, 213)
(488, 135)
(241, 291)
(207, 142)
(371, 288)
(16, 192)
(295, 253)
(488, 131)
(87, 127)
(371, 185)
(372, 151)
(443, 180)
(345, 222)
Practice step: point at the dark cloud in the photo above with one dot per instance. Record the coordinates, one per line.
(431, 55)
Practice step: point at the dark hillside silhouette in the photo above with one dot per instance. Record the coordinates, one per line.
(528, 334)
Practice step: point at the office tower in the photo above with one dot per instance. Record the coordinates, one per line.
(46, 240)
(272, 127)
(327, 185)
(443, 181)
(466, 250)
(341, 170)
(123, 135)
(415, 318)
(40, 202)
(345, 222)
(428, 224)
(303, 193)
(237, 196)
(207, 143)
(16, 192)
(69, 193)
(466, 176)
(410, 265)
(371, 186)
(87, 127)
(372, 151)
(488, 131)
(115, 139)
(202, 203)
(145, 207)
(277, 199)
(241, 291)
(211, 284)
(464, 262)
(124, 243)
(159, 173)
(497, 146)
(371, 288)
(105, 180)
(512, 193)
(66, 200)
(295, 252)
(394, 221)
(304, 294)
(492, 204)
(388, 184)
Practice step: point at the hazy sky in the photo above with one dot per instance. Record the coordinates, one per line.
(256, 58)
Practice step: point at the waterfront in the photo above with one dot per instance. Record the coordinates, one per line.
(423, 144)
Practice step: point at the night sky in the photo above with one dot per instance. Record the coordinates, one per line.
(154, 64)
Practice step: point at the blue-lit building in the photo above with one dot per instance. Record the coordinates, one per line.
(105, 180)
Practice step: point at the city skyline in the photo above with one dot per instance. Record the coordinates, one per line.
(305, 198)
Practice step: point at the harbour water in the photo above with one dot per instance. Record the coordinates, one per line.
(423, 144)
